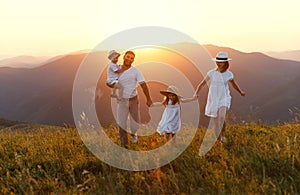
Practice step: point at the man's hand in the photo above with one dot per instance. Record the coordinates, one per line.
(146, 92)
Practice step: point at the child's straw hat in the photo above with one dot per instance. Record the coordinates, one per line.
(171, 89)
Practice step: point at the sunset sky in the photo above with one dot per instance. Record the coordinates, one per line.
(55, 27)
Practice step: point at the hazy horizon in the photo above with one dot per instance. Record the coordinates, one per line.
(276, 54)
(54, 54)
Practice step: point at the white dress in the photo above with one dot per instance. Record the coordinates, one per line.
(218, 94)
(170, 121)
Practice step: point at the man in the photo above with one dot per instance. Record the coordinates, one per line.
(129, 104)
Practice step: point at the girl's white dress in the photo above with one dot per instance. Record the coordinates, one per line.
(170, 121)
(218, 94)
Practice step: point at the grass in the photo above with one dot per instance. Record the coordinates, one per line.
(256, 159)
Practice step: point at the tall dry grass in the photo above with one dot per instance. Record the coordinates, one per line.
(256, 159)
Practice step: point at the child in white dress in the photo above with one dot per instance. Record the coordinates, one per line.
(170, 122)
(113, 73)
(219, 99)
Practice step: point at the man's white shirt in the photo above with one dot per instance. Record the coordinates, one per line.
(129, 80)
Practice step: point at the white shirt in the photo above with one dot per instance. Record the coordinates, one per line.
(218, 94)
(112, 77)
(129, 80)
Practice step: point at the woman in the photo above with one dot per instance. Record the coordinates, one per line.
(219, 99)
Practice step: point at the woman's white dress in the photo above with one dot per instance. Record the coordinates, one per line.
(218, 94)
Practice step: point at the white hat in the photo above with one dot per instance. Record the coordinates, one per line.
(170, 89)
(221, 57)
(113, 54)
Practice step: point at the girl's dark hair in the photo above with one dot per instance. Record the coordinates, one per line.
(166, 100)
(226, 66)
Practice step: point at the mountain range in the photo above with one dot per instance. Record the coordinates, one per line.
(291, 55)
(24, 61)
(44, 94)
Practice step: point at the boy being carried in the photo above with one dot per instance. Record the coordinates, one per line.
(113, 74)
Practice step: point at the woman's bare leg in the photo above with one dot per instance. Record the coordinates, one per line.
(219, 123)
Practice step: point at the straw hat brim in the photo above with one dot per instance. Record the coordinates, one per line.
(166, 93)
(216, 60)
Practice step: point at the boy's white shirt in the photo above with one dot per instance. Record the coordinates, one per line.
(112, 77)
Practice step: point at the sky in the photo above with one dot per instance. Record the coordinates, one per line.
(55, 27)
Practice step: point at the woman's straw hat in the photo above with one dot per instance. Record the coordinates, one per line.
(221, 57)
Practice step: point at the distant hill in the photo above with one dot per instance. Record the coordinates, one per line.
(8, 123)
(44, 94)
(288, 55)
(24, 61)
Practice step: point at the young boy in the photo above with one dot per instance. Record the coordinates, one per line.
(113, 74)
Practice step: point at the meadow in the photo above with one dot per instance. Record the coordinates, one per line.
(255, 159)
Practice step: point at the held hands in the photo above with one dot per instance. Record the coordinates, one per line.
(156, 104)
(193, 98)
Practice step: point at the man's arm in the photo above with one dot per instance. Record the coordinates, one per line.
(146, 92)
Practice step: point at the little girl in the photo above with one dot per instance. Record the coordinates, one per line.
(170, 122)
(219, 99)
